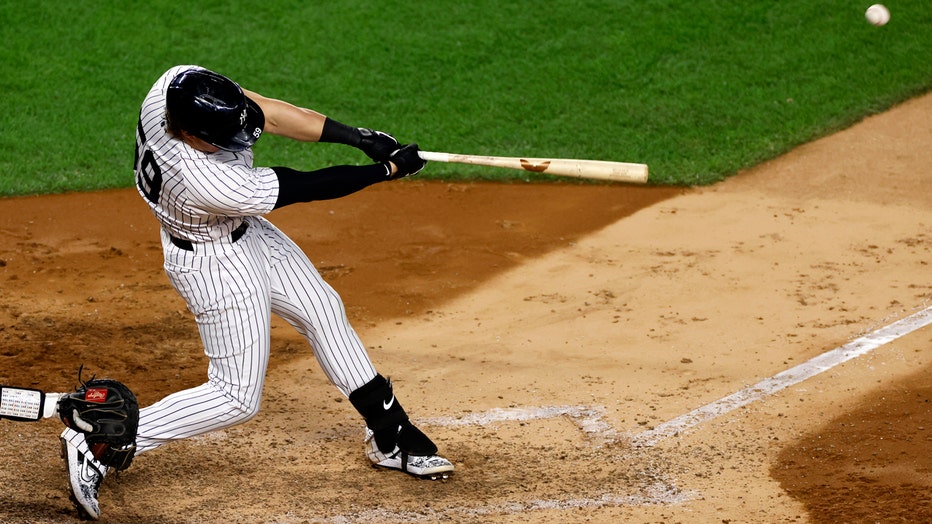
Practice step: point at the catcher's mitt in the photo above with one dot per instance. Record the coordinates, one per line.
(106, 411)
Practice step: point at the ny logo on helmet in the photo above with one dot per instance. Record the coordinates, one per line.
(242, 117)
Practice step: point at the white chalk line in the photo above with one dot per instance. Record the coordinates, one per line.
(590, 420)
(658, 493)
(810, 368)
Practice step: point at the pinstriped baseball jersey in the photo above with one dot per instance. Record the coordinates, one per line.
(232, 279)
(196, 196)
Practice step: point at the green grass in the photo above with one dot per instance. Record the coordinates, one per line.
(697, 90)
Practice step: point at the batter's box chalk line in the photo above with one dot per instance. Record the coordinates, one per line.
(589, 419)
(767, 387)
(655, 495)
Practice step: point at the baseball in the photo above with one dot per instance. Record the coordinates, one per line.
(877, 14)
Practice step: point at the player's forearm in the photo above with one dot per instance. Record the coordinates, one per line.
(287, 120)
(338, 181)
(327, 183)
(298, 123)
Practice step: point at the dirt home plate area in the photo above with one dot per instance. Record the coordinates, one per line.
(582, 353)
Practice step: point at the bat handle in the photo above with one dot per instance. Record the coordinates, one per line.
(433, 156)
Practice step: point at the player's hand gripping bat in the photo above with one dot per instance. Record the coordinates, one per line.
(590, 169)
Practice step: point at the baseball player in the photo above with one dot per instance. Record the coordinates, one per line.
(194, 168)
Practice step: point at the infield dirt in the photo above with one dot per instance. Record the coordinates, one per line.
(590, 312)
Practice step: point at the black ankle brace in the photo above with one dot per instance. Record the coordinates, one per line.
(384, 415)
(376, 402)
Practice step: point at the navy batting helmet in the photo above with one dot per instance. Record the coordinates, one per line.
(213, 108)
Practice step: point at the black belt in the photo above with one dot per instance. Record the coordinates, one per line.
(187, 245)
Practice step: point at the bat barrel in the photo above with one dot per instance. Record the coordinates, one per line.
(589, 169)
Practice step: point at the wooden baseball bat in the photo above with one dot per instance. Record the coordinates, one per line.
(590, 169)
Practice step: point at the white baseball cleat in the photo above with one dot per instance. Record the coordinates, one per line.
(85, 473)
(430, 467)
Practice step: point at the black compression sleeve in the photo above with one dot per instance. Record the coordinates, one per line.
(325, 184)
(339, 133)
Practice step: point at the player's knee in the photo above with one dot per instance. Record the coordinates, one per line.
(245, 413)
(250, 409)
(242, 408)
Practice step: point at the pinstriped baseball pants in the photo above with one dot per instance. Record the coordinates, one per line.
(233, 289)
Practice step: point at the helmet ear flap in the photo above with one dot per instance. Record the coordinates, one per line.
(214, 108)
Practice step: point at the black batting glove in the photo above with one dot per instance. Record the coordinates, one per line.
(376, 145)
(407, 161)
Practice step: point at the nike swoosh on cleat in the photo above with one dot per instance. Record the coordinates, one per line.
(388, 403)
(86, 472)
